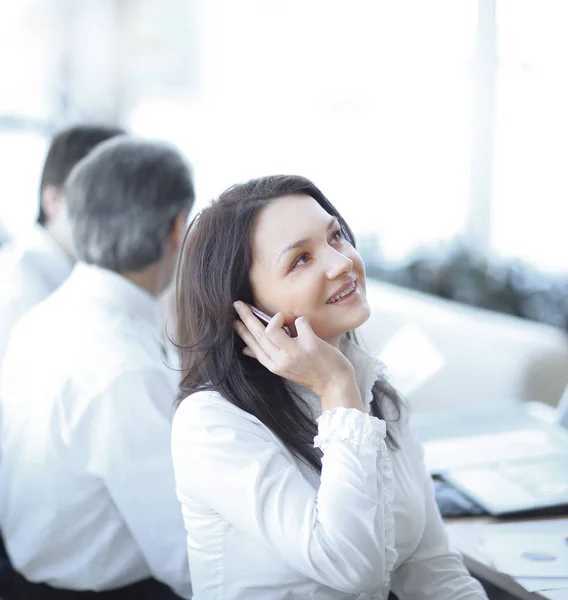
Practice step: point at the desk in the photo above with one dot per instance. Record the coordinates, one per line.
(464, 535)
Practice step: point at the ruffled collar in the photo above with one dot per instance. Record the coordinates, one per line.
(367, 368)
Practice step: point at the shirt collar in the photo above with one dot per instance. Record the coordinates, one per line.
(116, 290)
(367, 368)
(56, 264)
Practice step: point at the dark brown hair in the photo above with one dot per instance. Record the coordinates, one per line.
(67, 148)
(213, 272)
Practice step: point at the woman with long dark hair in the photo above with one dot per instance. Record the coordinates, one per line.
(295, 465)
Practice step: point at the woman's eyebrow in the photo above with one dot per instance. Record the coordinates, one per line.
(303, 242)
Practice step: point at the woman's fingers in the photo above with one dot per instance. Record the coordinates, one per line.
(256, 328)
(250, 341)
(274, 330)
(253, 323)
(306, 359)
(303, 328)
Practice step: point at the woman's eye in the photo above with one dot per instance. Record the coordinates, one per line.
(301, 260)
(337, 235)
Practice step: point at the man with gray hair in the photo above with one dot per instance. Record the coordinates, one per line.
(87, 493)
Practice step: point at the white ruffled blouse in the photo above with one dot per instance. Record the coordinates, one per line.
(262, 525)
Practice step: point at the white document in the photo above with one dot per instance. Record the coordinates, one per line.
(411, 359)
(543, 584)
(529, 550)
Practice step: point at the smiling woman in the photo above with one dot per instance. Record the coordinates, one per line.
(319, 275)
(289, 451)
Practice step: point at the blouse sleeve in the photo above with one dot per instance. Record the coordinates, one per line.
(337, 535)
(434, 570)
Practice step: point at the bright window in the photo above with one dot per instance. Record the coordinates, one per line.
(530, 194)
(371, 100)
(374, 100)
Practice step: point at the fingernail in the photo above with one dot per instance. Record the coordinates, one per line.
(236, 305)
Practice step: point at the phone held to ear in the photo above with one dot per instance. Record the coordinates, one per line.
(265, 318)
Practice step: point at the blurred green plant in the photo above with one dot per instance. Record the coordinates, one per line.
(455, 273)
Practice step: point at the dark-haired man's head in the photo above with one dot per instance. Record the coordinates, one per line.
(67, 148)
(126, 205)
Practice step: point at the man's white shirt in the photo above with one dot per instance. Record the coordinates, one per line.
(31, 268)
(87, 492)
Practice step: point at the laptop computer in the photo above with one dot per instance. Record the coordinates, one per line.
(507, 459)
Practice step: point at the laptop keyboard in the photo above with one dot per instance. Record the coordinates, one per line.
(544, 478)
(537, 483)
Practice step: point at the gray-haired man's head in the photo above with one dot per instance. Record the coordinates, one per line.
(123, 201)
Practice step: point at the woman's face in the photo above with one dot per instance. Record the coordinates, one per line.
(303, 266)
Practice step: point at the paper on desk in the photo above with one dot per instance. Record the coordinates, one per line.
(527, 554)
(543, 584)
(411, 359)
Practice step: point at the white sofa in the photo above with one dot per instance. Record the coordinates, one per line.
(488, 356)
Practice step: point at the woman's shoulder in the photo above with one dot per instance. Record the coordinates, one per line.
(210, 408)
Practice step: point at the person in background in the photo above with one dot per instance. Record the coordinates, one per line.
(33, 267)
(295, 464)
(87, 491)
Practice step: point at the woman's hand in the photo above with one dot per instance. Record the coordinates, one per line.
(306, 359)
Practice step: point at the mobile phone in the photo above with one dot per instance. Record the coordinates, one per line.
(265, 318)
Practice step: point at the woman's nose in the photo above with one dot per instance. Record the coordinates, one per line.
(338, 264)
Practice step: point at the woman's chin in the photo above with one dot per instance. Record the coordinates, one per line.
(349, 322)
(364, 313)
